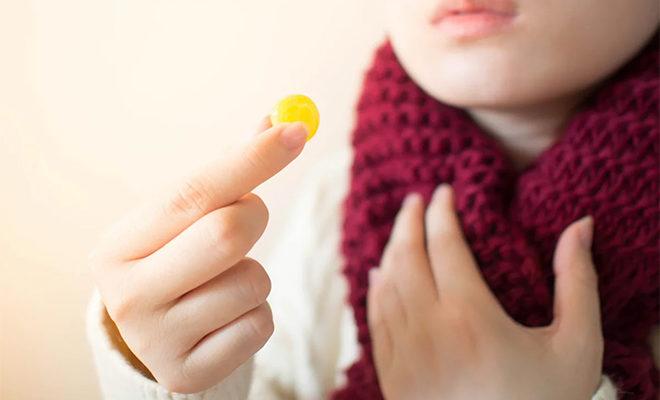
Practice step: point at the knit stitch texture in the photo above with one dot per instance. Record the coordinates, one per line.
(606, 164)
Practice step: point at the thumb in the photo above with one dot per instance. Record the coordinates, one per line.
(577, 308)
(264, 125)
(379, 325)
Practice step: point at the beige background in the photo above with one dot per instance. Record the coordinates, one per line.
(103, 102)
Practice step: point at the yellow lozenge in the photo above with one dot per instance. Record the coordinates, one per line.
(297, 108)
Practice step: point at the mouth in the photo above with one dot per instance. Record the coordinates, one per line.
(473, 19)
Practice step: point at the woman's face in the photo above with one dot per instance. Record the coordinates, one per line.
(502, 53)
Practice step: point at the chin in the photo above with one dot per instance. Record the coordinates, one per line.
(476, 96)
(470, 88)
(484, 76)
(496, 80)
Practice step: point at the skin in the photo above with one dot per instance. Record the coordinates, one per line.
(439, 333)
(208, 312)
(522, 83)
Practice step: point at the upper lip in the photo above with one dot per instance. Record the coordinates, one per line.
(458, 7)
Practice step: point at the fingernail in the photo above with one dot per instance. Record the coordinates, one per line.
(411, 198)
(294, 136)
(586, 232)
(442, 192)
(374, 275)
(263, 125)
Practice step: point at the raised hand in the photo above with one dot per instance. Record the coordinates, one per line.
(174, 277)
(438, 332)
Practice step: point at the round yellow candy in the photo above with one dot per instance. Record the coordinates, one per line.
(297, 108)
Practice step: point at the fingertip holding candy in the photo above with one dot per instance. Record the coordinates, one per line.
(297, 108)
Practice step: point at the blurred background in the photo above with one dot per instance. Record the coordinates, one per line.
(103, 103)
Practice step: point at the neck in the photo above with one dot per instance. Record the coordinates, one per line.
(526, 132)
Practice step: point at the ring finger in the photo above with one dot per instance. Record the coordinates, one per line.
(242, 288)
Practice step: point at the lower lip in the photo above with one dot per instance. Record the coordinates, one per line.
(474, 25)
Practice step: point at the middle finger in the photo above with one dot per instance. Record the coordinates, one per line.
(405, 260)
(203, 251)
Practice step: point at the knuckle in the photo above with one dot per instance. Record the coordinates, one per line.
(222, 230)
(232, 230)
(256, 158)
(260, 207)
(257, 285)
(121, 310)
(260, 324)
(191, 198)
(123, 307)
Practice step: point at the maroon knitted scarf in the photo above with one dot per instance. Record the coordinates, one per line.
(606, 164)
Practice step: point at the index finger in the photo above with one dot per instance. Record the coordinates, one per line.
(218, 184)
(454, 268)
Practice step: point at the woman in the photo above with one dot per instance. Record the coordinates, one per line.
(524, 116)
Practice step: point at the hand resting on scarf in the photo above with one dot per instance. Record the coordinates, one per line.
(439, 333)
